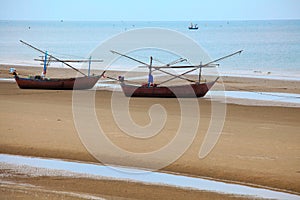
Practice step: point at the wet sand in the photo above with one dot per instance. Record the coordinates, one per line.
(259, 145)
(80, 188)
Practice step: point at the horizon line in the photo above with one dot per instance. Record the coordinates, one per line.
(124, 20)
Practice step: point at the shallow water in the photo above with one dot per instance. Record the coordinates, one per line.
(7, 79)
(35, 167)
(291, 77)
(258, 98)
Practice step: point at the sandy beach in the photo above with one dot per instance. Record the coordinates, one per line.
(259, 145)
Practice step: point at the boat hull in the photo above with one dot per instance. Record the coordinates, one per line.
(183, 91)
(79, 83)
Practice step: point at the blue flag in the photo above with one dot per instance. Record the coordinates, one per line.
(150, 78)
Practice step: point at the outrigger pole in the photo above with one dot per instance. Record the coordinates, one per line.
(59, 60)
(74, 61)
(129, 57)
(209, 64)
(183, 78)
(201, 66)
(222, 58)
(169, 66)
(155, 68)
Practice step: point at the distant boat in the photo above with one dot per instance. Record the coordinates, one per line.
(158, 90)
(42, 82)
(193, 27)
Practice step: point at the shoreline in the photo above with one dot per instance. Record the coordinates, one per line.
(241, 97)
(39, 167)
(258, 145)
(231, 82)
(252, 91)
(252, 76)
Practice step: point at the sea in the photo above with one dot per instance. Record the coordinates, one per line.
(270, 48)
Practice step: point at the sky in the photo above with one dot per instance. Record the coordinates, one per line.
(149, 10)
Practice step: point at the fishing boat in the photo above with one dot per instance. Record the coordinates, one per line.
(38, 82)
(193, 27)
(43, 82)
(151, 89)
(180, 91)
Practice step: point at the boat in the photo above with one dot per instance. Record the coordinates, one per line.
(43, 82)
(151, 89)
(193, 27)
(37, 82)
(179, 91)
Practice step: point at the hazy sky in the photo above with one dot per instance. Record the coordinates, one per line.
(149, 10)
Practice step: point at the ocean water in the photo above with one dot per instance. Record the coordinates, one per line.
(271, 48)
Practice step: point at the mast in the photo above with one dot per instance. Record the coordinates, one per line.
(150, 77)
(89, 70)
(45, 64)
(200, 71)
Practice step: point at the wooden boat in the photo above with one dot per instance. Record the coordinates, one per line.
(180, 91)
(43, 82)
(150, 89)
(37, 82)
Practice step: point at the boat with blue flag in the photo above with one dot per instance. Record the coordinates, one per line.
(158, 90)
(87, 81)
